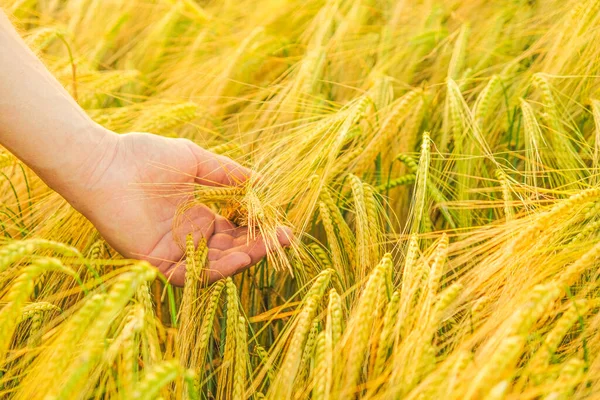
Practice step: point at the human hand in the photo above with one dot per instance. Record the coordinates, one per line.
(133, 192)
(129, 186)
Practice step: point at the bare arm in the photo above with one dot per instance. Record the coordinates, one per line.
(39, 119)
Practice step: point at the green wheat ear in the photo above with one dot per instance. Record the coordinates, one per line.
(156, 378)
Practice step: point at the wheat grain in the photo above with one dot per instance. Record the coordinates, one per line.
(307, 357)
(291, 362)
(57, 357)
(241, 361)
(155, 379)
(498, 392)
(386, 336)
(164, 118)
(363, 313)
(322, 370)
(410, 163)
(321, 256)
(396, 182)
(151, 349)
(495, 369)
(119, 295)
(332, 239)
(361, 226)
(206, 327)
(458, 53)
(17, 249)
(6, 160)
(556, 335)
(32, 309)
(506, 196)
(345, 233)
(231, 335)
(571, 375)
(485, 98)
(437, 267)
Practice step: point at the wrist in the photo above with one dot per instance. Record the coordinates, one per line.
(74, 174)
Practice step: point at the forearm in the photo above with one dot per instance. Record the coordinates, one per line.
(39, 121)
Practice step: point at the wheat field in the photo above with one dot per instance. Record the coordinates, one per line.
(438, 162)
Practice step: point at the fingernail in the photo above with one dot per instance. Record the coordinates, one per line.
(284, 235)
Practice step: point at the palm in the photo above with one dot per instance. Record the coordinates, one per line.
(138, 197)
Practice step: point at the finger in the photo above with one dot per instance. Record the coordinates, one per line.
(224, 263)
(220, 241)
(284, 236)
(258, 247)
(223, 225)
(219, 266)
(218, 170)
(214, 254)
(228, 265)
(240, 232)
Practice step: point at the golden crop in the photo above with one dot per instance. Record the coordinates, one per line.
(439, 163)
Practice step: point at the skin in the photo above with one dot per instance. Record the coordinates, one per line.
(130, 186)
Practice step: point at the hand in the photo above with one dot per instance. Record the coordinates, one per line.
(129, 186)
(133, 192)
